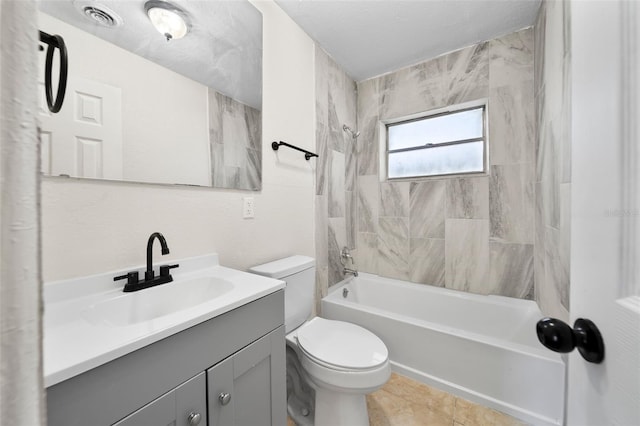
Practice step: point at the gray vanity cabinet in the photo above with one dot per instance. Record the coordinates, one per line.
(186, 405)
(240, 388)
(241, 352)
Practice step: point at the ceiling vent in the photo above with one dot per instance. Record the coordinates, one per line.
(99, 14)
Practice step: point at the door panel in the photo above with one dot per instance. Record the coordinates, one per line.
(85, 138)
(252, 379)
(605, 210)
(174, 407)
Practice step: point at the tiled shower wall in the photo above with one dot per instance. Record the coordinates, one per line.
(335, 169)
(553, 171)
(235, 137)
(467, 233)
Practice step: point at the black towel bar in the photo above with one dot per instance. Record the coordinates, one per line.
(307, 154)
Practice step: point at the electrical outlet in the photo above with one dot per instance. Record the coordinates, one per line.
(248, 208)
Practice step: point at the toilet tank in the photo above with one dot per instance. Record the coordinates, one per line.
(299, 272)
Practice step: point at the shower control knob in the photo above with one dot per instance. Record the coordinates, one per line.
(560, 337)
(224, 398)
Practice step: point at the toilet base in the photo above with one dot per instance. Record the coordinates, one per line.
(340, 409)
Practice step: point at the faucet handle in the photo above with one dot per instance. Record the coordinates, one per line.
(164, 269)
(132, 277)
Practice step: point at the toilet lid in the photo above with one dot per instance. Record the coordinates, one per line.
(342, 344)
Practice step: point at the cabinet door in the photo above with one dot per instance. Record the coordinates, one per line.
(182, 406)
(248, 388)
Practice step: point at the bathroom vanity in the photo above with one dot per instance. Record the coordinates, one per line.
(218, 362)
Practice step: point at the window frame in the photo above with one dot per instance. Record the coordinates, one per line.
(451, 109)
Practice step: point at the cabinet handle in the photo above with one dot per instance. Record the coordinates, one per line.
(224, 398)
(194, 419)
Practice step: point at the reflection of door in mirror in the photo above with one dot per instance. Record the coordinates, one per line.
(190, 108)
(85, 138)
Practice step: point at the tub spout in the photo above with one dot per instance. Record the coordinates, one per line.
(351, 271)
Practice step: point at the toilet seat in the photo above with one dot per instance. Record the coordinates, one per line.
(341, 346)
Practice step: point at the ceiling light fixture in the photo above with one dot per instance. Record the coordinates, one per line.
(170, 21)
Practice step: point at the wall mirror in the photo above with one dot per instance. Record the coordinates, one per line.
(142, 108)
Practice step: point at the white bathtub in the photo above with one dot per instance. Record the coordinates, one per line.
(481, 348)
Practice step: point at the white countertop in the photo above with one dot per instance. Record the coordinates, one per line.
(73, 344)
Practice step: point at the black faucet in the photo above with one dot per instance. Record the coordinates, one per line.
(150, 279)
(148, 275)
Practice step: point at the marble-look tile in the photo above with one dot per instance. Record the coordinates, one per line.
(414, 89)
(467, 255)
(467, 198)
(351, 201)
(253, 170)
(368, 203)
(322, 287)
(512, 124)
(538, 247)
(342, 89)
(538, 46)
(368, 99)
(393, 247)
(426, 261)
(511, 58)
(470, 414)
(554, 55)
(368, 146)
(351, 171)
(235, 142)
(215, 103)
(556, 271)
(336, 134)
(321, 230)
(253, 119)
(547, 174)
(468, 74)
(511, 269)
(336, 184)
(231, 177)
(565, 125)
(426, 209)
(540, 112)
(564, 248)
(217, 164)
(322, 85)
(337, 239)
(367, 260)
(322, 149)
(368, 113)
(511, 203)
(394, 199)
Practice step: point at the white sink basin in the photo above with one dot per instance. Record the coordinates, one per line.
(155, 302)
(89, 321)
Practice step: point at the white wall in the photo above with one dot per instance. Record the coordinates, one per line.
(92, 226)
(21, 380)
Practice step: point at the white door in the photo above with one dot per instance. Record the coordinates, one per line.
(605, 210)
(85, 138)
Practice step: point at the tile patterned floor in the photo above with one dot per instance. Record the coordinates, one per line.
(405, 402)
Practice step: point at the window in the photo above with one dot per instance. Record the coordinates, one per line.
(440, 144)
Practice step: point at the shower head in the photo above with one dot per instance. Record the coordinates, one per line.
(348, 129)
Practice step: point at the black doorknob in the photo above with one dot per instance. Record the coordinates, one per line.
(559, 337)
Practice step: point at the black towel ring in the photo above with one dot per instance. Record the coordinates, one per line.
(53, 42)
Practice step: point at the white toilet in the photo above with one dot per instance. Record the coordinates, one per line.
(341, 362)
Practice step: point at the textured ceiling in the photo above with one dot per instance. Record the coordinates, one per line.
(223, 50)
(368, 38)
